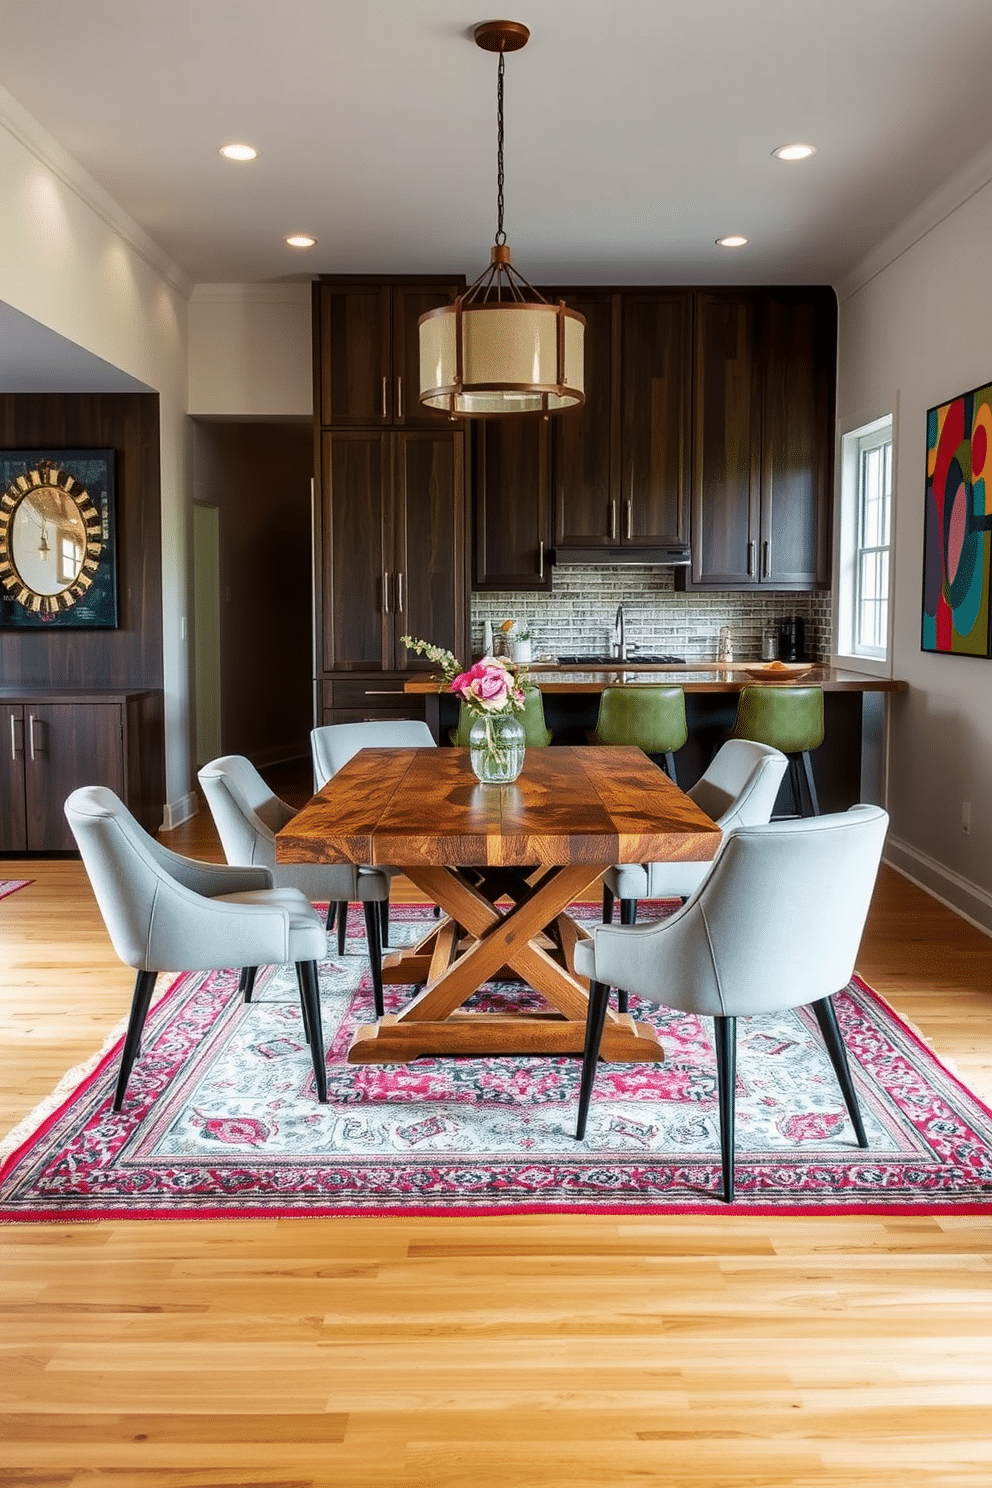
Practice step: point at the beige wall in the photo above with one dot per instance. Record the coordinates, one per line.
(250, 351)
(917, 333)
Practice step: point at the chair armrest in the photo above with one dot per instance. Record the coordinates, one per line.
(210, 879)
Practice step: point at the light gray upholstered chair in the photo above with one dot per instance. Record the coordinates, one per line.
(247, 816)
(737, 790)
(164, 912)
(742, 945)
(334, 744)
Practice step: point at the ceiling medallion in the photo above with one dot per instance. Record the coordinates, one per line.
(501, 348)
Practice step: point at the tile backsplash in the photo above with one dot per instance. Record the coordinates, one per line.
(578, 615)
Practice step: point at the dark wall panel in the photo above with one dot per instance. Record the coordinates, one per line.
(130, 656)
(258, 476)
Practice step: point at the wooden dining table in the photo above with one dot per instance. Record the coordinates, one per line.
(504, 863)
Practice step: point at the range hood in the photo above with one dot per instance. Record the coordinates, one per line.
(669, 555)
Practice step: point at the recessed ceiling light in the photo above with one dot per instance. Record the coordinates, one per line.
(301, 240)
(794, 152)
(238, 152)
(734, 240)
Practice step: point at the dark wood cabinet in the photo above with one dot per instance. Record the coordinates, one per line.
(585, 443)
(55, 742)
(511, 508)
(367, 358)
(621, 462)
(392, 546)
(763, 411)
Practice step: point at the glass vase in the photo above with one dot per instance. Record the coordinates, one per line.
(496, 745)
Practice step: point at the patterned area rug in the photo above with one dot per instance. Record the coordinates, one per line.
(11, 885)
(221, 1118)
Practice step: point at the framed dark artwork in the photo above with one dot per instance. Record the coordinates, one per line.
(957, 527)
(58, 541)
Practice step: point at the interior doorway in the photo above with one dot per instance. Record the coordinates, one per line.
(206, 633)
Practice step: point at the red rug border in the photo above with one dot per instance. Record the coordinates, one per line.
(700, 1208)
(10, 886)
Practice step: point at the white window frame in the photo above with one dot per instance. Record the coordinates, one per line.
(876, 660)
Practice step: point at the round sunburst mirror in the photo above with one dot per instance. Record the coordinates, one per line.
(51, 540)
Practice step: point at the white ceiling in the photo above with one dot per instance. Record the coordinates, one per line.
(637, 132)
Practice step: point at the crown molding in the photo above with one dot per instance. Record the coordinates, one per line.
(49, 153)
(956, 190)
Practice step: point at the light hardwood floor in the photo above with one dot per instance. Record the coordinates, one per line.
(551, 1351)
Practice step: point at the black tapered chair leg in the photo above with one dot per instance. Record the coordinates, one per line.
(725, 1039)
(306, 975)
(608, 902)
(628, 916)
(246, 984)
(144, 986)
(342, 924)
(814, 804)
(372, 932)
(332, 910)
(670, 767)
(827, 1019)
(384, 923)
(598, 996)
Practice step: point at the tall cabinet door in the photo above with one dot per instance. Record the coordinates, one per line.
(430, 566)
(67, 745)
(726, 441)
(798, 353)
(354, 371)
(512, 520)
(410, 302)
(656, 352)
(13, 830)
(357, 569)
(585, 443)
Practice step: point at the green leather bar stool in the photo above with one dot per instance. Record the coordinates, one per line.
(536, 733)
(652, 718)
(790, 719)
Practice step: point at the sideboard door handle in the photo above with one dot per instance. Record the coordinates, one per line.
(13, 737)
(399, 592)
(385, 395)
(385, 593)
(399, 399)
(31, 735)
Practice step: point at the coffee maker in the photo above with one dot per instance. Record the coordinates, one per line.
(792, 639)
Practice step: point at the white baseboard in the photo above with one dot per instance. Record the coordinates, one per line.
(179, 811)
(965, 898)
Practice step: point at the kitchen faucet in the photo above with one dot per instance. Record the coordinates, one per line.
(619, 642)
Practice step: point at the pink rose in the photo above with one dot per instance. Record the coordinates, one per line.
(487, 685)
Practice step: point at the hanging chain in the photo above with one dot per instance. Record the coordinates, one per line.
(500, 234)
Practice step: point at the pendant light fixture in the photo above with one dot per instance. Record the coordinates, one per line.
(501, 348)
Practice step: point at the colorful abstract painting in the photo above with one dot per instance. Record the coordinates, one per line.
(957, 571)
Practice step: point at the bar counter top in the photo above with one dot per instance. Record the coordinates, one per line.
(694, 676)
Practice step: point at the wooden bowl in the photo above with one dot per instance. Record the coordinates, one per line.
(780, 671)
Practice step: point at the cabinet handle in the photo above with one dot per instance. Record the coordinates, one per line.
(385, 394)
(766, 558)
(31, 735)
(385, 593)
(13, 738)
(613, 520)
(630, 519)
(540, 559)
(399, 397)
(399, 592)
(751, 548)
(383, 692)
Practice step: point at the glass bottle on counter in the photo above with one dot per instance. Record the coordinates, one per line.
(725, 645)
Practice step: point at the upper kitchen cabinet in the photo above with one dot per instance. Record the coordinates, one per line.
(511, 506)
(621, 462)
(367, 364)
(763, 413)
(392, 546)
